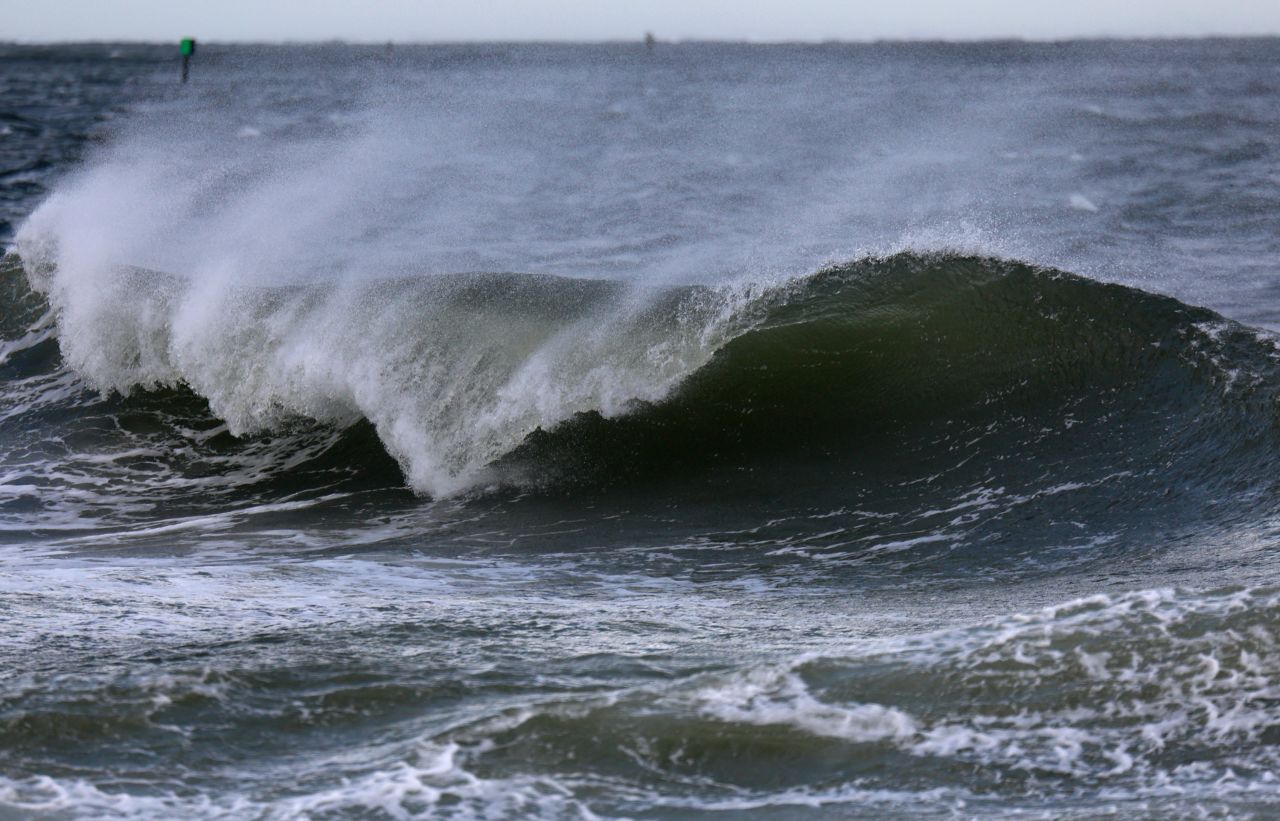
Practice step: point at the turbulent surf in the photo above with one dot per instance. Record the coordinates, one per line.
(561, 431)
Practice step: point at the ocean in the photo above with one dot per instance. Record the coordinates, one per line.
(709, 430)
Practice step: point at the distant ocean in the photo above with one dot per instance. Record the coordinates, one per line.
(601, 431)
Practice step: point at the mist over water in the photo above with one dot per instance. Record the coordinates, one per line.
(635, 164)
(594, 431)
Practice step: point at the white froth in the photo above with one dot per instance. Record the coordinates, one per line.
(772, 695)
(449, 386)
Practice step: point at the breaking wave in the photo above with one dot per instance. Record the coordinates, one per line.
(477, 380)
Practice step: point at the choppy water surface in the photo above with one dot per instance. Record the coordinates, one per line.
(590, 431)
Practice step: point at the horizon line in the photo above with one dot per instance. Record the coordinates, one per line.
(923, 39)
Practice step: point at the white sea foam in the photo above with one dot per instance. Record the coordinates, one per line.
(449, 386)
(1121, 694)
(427, 783)
(1204, 673)
(777, 695)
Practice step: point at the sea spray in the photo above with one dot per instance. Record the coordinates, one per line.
(453, 371)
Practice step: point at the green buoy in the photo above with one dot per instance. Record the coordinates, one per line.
(187, 47)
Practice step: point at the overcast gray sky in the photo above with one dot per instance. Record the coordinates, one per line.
(378, 20)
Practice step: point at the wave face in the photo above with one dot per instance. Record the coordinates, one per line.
(901, 343)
